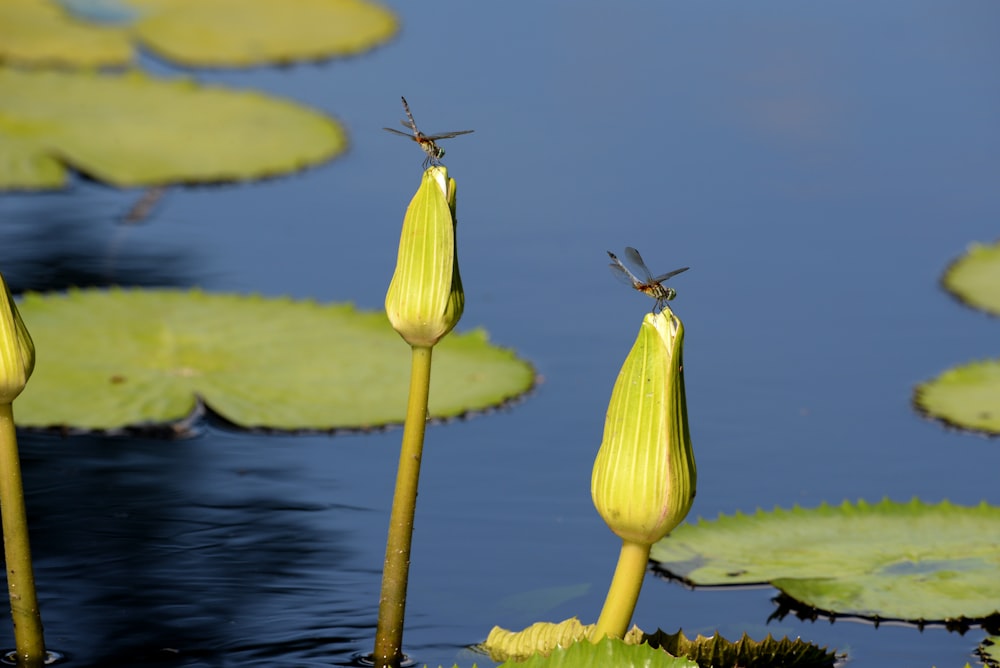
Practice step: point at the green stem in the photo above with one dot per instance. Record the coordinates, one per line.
(392, 604)
(17, 551)
(623, 593)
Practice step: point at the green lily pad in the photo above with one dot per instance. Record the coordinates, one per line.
(547, 639)
(107, 360)
(202, 33)
(133, 130)
(989, 651)
(195, 33)
(540, 638)
(910, 561)
(967, 397)
(39, 33)
(608, 652)
(745, 652)
(974, 278)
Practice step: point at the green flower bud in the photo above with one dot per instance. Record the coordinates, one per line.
(644, 476)
(17, 351)
(425, 298)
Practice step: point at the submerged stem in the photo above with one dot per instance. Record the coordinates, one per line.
(392, 603)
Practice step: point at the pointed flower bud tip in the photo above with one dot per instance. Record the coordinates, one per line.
(17, 351)
(425, 298)
(644, 477)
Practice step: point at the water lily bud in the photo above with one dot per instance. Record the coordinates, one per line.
(17, 351)
(425, 298)
(644, 476)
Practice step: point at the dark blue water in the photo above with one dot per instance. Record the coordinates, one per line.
(816, 164)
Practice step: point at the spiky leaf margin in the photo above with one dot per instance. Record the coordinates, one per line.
(746, 652)
(117, 359)
(910, 561)
(608, 653)
(989, 651)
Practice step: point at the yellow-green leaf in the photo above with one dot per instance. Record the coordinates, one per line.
(975, 277)
(609, 652)
(227, 33)
(153, 358)
(196, 33)
(965, 396)
(914, 561)
(133, 130)
(39, 33)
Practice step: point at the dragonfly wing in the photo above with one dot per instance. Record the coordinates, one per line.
(660, 279)
(401, 134)
(412, 124)
(634, 259)
(621, 272)
(448, 135)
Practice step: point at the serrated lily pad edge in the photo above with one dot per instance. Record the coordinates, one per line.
(787, 604)
(203, 417)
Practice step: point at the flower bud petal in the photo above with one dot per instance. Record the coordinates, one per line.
(17, 350)
(644, 476)
(425, 298)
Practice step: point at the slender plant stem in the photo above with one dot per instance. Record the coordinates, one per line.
(392, 604)
(20, 577)
(624, 591)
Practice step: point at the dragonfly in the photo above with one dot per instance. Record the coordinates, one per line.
(650, 285)
(427, 142)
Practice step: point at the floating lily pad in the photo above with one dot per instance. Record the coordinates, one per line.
(989, 651)
(196, 33)
(608, 652)
(967, 397)
(39, 33)
(550, 639)
(133, 130)
(910, 561)
(201, 33)
(565, 644)
(975, 277)
(539, 638)
(108, 360)
(745, 652)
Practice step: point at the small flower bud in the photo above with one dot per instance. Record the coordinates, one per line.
(425, 298)
(17, 351)
(644, 476)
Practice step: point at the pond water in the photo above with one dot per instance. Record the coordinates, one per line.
(817, 165)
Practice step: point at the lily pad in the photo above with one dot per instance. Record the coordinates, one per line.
(203, 33)
(609, 652)
(539, 638)
(39, 33)
(133, 130)
(989, 651)
(909, 561)
(967, 397)
(974, 278)
(745, 652)
(547, 639)
(109, 360)
(194, 33)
